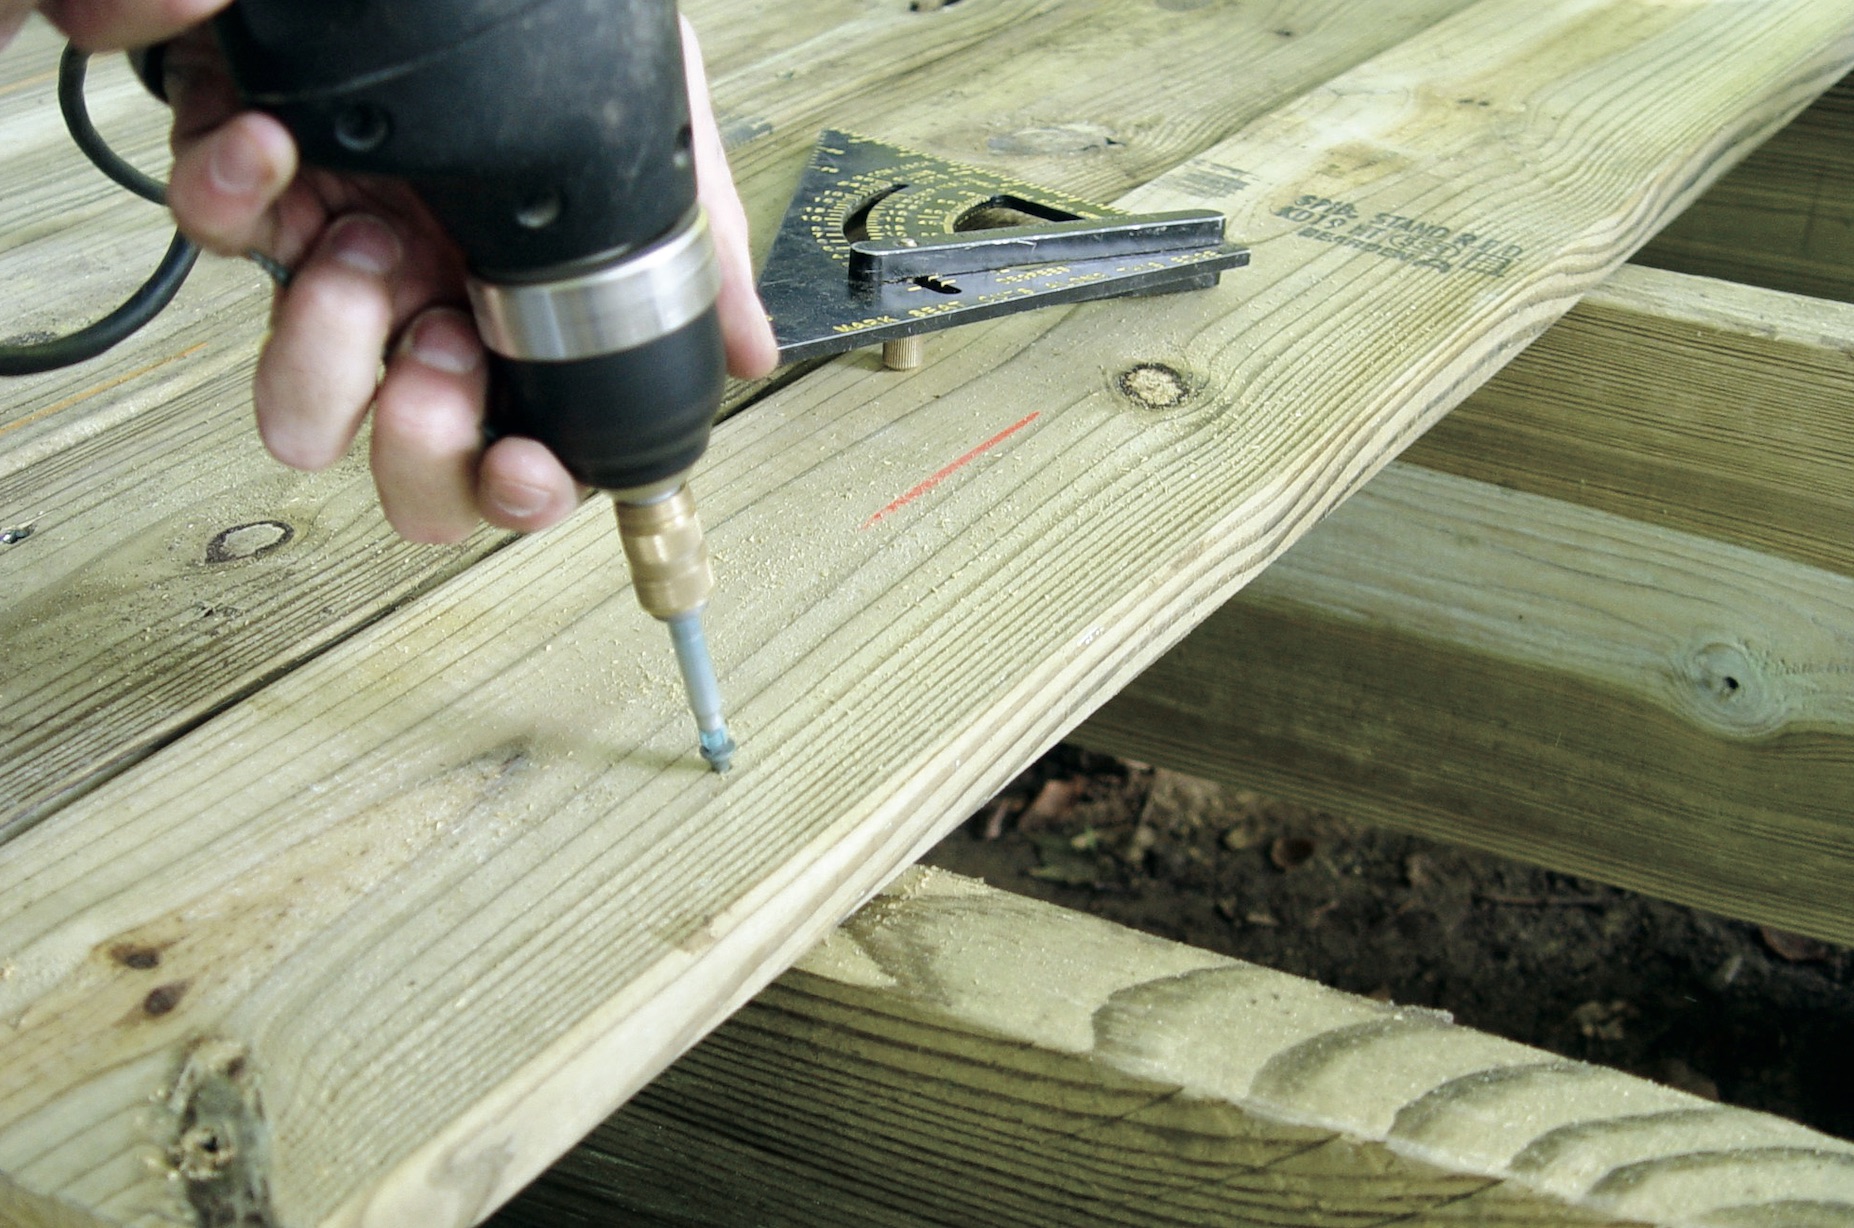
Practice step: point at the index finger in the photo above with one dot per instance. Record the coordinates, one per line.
(115, 25)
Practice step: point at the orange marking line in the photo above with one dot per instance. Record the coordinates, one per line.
(105, 386)
(955, 467)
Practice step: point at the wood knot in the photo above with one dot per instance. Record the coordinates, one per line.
(1732, 690)
(162, 999)
(1154, 386)
(1055, 139)
(220, 1144)
(137, 955)
(1723, 672)
(248, 541)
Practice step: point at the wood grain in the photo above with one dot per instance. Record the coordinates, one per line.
(1594, 694)
(125, 636)
(1784, 219)
(430, 906)
(1694, 404)
(954, 1055)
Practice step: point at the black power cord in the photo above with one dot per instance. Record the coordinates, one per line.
(155, 293)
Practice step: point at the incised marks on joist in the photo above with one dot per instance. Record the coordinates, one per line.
(221, 1143)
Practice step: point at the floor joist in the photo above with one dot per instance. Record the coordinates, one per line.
(1785, 218)
(957, 1056)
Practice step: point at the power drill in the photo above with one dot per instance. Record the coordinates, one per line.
(551, 139)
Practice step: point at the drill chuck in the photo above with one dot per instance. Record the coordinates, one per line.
(616, 365)
(551, 139)
(617, 305)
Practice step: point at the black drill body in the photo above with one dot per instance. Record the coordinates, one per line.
(551, 140)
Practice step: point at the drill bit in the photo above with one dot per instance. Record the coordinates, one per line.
(663, 542)
(698, 677)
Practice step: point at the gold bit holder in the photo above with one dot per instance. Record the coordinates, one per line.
(663, 542)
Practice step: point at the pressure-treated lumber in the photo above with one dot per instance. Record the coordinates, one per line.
(1657, 696)
(1639, 705)
(132, 627)
(1654, 692)
(1693, 404)
(954, 1055)
(404, 924)
(1785, 218)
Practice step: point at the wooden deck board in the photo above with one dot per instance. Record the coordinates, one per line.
(124, 512)
(1641, 678)
(1785, 218)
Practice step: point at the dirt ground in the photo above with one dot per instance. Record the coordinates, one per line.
(1734, 1012)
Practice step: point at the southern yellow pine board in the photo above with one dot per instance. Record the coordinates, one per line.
(1686, 402)
(1785, 217)
(1591, 693)
(134, 621)
(404, 924)
(954, 1055)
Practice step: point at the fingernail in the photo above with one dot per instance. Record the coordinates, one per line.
(237, 165)
(445, 341)
(365, 244)
(515, 499)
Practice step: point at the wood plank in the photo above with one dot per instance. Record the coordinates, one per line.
(1642, 706)
(735, 36)
(124, 513)
(1693, 404)
(954, 1055)
(418, 915)
(1785, 218)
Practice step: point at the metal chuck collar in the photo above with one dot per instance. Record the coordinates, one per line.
(616, 364)
(621, 304)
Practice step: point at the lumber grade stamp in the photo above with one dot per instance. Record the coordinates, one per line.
(122, 511)
(954, 1055)
(440, 899)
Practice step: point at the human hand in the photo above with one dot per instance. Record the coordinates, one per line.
(12, 16)
(373, 269)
